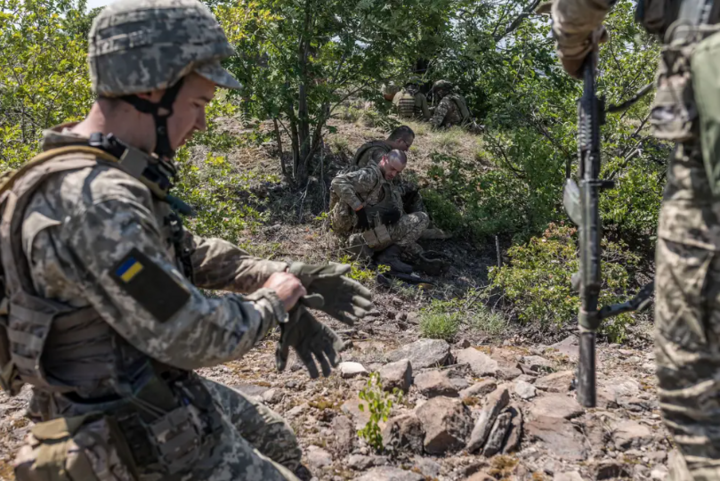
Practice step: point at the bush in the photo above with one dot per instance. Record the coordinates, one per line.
(436, 325)
(379, 405)
(537, 280)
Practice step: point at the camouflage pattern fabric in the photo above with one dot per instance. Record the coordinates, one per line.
(163, 39)
(370, 152)
(446, 114)
(411, 104)
(687, 339)
(406, 232)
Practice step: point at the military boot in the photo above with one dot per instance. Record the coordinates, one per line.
(391, 257)
(431, 263)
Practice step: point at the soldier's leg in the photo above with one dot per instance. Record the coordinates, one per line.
(342, 218)
(263, 428)
(687, 346)
(406, 232)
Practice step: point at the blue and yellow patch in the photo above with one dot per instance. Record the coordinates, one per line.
(128, 269)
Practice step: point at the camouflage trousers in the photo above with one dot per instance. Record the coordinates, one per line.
(404, 233)
(687, 346)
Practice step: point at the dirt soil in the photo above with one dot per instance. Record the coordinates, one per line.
(510, 395)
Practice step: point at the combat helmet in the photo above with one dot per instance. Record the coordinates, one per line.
(442, 86)
(138, 46)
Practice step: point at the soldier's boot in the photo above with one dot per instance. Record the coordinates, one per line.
(434, 234)
(431, 263)
(358, 248)
(391, 257)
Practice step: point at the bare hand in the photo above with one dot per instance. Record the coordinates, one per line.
(288, 288)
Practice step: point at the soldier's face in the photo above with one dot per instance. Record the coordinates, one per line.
(390, 168)
(189, 109)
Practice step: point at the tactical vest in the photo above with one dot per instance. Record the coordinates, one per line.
(151, 400)
(688, 71)
(462, 106)
(406, 105)
(365, 149)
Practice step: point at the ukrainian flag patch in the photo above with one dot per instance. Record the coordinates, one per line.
(129, 269)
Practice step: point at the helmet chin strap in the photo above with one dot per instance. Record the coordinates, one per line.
(162, 139)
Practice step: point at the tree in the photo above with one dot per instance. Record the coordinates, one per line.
(299, 59)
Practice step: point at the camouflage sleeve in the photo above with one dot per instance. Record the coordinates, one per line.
(218, 264)
(421, 101)
(348, 186)
(440, 112)
(132, 280)
(573, 22)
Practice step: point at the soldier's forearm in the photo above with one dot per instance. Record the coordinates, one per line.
(574, 21)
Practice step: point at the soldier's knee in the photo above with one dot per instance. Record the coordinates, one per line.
(423, 219)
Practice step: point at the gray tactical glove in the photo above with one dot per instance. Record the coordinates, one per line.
(345, 299)
(309, 337)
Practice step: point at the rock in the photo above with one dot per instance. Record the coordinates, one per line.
(480, 363)
(297, 411)
(516, 430)
(496, 439)
(317, 457)
(480, 389)
(344, 435)
(558, 382)
(525, 390)
(569, 476)
(559, 436)
(494, 403)
(358, 462)
(404, 433)
(631, 434)
(556, 406)
(537, 363)
(390, 473)
(435, 383)
(423, 353)
(272, 396)
(480, 476)
(569, 347)
(352, 407)
(250, 390)
(611, 470)
(351, 369)
(508, 373)
(427, 467)
(447, 423)
(659, 473)
(397, 375)
(623, 389)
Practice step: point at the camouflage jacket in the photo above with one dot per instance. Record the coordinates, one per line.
(448, 113)
(80, 224)
(365, 187)
(689, 215)
(370, 153)
(411, 105)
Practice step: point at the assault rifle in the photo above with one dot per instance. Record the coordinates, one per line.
(582, 205)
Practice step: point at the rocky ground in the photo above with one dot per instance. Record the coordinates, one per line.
(484, 407)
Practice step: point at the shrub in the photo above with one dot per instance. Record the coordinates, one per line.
(537, 280)
(379, 404)
(435, 325)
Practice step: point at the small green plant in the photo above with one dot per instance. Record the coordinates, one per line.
(435, 325)
(379, 405)
(360, 272)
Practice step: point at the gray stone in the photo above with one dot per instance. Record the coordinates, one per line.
(480, 389)
(631, 434)
(659, 473)
(344, 435)
(273, 396)
(358, 462)
(351, 369)
(352, 408)
(390, 473)
(512, 444)
(569, 347)
(508, 372)
(556, 406)
(480, 363)
(447, 423)
(435, 383)
(558, 436)
(494, 403)
(427, 467)
(537, 363)
(317, 457)
(423, 353)
(558, 382)
(569, 476)
(624, 388)
(404, 433)
(525, 390)
(496, 439)
(397, 374)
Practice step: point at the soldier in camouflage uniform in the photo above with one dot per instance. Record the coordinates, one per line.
(369, 202)
(103, 313)
(410, 103)
(400, 138)
(452, 109)
(687, 311)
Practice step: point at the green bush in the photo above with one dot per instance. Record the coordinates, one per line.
(537, 285)
(436, 325)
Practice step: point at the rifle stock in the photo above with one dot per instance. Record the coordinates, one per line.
(582, 205)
